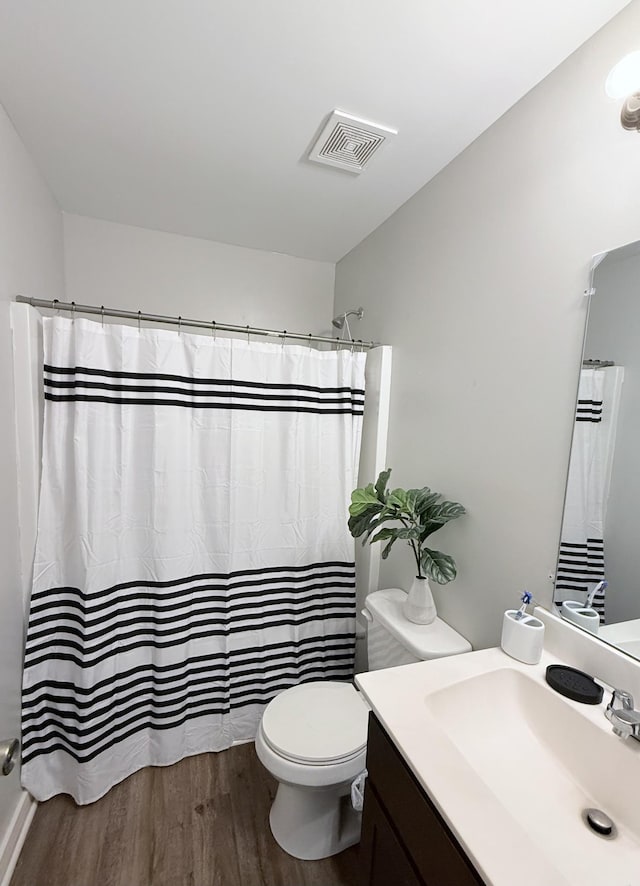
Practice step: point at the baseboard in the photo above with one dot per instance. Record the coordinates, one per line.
(15, 836)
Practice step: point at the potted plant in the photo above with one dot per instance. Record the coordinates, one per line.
(415, 514)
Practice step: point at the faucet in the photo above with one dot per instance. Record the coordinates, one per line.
(624, 719)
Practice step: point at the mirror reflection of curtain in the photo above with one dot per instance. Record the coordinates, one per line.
(581, 562)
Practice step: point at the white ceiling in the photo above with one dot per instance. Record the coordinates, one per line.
(195, 116)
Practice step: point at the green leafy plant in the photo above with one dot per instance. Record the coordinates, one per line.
(418, 513)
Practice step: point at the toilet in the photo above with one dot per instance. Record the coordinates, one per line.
(313, 737)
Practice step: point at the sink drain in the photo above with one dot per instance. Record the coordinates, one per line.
(599, 822)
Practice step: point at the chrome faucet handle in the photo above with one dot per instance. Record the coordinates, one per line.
(620, 712)
(624, 698)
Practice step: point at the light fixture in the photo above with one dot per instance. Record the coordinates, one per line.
(623, 82)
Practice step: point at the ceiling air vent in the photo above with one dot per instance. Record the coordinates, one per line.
(349, 143)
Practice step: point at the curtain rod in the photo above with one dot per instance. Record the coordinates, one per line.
(211, 325)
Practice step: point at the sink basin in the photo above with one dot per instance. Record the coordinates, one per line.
(546, 762)
(511, 765)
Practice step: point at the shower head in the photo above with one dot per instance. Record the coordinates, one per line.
(340, 320)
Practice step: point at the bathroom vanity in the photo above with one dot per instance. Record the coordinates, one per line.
(479, 773)
(404, 839)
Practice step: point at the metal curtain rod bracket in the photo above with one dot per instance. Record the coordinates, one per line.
(181, 322)
(598, 364)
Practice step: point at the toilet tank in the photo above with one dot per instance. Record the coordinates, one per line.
(394, 640)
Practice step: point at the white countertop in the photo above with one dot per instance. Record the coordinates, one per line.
(502, 849)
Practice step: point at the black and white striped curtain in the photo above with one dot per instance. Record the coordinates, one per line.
(193, 556)
(581, 557)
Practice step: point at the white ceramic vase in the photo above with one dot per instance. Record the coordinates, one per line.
(419, 606)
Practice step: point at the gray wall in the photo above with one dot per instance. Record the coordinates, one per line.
(30, 263)
(614, 334)
(477, 283)
(138, 269)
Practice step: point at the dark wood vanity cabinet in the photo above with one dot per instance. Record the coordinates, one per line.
(405, 841)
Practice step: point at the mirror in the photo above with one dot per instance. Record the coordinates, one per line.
(597, 582)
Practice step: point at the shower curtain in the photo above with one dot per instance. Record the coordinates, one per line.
(581, 563)
(193, 557)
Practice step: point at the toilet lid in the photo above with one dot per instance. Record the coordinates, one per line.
(317, 723)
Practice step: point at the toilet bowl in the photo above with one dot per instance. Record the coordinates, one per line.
(312, 737)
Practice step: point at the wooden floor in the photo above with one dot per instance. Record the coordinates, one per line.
(202, 822)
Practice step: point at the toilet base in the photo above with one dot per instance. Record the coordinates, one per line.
(312, 823)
